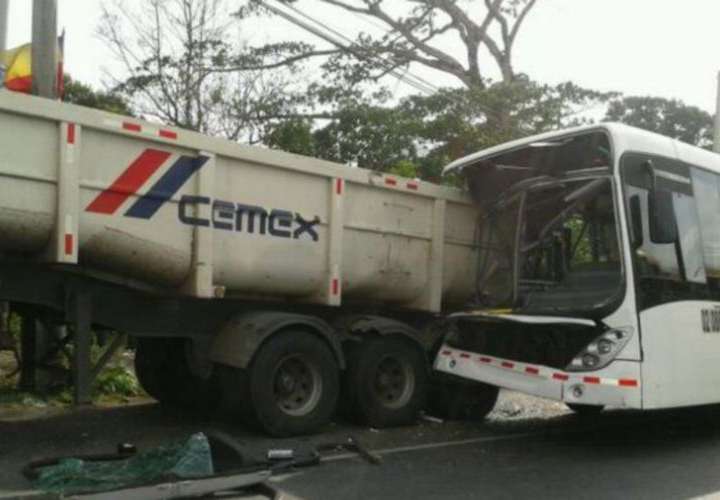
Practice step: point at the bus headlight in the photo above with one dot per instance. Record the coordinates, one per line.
(601, 351)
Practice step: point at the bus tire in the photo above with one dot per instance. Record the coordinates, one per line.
(385, 382)
(453, 399)
(163, 370)
(585, 410)
(293, 383)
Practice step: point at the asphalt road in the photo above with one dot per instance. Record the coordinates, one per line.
(670, 454)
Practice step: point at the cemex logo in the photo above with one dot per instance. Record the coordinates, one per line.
(225, 215)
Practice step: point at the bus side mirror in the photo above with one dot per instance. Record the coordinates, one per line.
(636, 223)
(661, 214)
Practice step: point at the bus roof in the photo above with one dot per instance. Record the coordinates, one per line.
(623, 137)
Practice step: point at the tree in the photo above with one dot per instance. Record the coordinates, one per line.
(183, 66)
(84, 95)
(456, 122)
(369, 136)
(293, 136)
(429, 131)
(415, 30)
(669, 117)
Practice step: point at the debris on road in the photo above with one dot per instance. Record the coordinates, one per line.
(353, 446)
(76, 475)
(430, 418)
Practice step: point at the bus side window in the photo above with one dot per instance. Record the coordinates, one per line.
(706, 186)
(665, 271)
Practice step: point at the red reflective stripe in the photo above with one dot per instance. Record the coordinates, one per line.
(531, 369)
(485, 360)
(71, 133)
(167, 134)
(390, 181)
(69, 244)
(412, 185)
(335, 286)
(339, 186)
(591, 380)
(129, 182)
(464, 355)
(132, 127)
(507, 364)
(446, 353)
(560, 376)
(627, 382)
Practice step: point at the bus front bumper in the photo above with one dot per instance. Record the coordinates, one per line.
(617, 385)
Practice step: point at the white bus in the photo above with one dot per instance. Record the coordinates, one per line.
(598, 271)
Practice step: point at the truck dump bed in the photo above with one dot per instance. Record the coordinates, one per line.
(188, 214)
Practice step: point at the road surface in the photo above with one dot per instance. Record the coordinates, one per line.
(669, 454)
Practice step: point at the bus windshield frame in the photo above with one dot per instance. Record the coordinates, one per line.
(550, 243)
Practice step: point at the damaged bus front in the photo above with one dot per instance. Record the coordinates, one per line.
(551, 316)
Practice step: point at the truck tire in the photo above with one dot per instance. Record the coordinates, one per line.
(385, 382)
(454, 399)
(163, 370)
(291, 386)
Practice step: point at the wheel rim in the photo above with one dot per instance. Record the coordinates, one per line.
(297, 385)
(394, 382)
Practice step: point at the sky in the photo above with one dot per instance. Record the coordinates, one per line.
(665, 48)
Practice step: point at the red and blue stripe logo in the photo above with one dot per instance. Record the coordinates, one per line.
(137, 174)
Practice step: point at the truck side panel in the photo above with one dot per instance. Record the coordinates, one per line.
(193, 215)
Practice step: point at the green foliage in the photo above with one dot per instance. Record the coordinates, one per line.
(293, 136)
(372, 137)
(117, 381)
(404, 168)
(84, 95)
(462, 121)
(421, 134)
(580, 238)
(669, 117)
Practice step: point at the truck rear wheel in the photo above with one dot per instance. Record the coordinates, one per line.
(292, 385)
(385, 382)
(164, 372)
(455, 399)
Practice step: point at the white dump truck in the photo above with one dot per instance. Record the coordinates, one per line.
(265, 282)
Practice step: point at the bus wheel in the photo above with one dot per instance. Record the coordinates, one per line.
(385, 382)
(463, 400)
(585, 410)
(163, 368)
(293, 384)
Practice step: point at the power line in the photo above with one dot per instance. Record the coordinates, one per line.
(387, 64)
(407, 77)
(417, 83)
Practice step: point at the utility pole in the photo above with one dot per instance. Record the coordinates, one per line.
(716, 132)
(4, 6)
(44, 48)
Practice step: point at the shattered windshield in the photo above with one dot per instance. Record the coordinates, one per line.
(550, 243)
